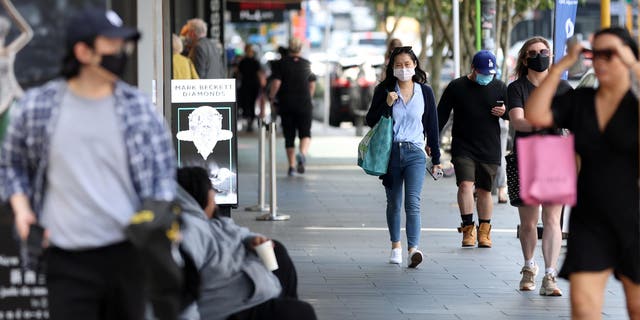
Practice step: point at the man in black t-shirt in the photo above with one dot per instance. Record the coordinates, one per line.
(294, 84)
(478, 102)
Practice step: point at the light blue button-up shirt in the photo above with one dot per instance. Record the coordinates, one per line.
(407, 126)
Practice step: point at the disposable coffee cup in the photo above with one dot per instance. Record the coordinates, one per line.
(267, 255)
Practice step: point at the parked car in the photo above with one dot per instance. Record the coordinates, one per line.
(367, 44)
(352, 84)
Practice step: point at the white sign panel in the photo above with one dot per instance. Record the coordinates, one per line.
(203, 90)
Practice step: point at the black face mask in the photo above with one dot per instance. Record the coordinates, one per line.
(539, 63)
(115, 63)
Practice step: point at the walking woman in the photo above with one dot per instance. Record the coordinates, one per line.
(532, 67)
(603, 229)
(391, 45)
(406, 97)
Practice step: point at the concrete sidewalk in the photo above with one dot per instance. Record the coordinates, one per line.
(338, 239)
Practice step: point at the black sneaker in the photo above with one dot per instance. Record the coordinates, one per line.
(291, 172)
(301, 160)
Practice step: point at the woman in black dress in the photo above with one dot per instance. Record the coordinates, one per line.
(604, 230)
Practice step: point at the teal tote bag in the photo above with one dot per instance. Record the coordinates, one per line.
(375, 148)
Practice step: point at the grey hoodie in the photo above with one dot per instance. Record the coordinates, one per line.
(233, 278)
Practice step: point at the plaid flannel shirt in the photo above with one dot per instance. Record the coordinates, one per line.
(24, 154)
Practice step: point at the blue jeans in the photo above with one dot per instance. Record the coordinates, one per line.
(407, 165)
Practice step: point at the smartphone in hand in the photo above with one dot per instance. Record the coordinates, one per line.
(499, 103)
(31, 249)
(437, 175)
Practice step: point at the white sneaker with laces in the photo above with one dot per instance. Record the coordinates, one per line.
(396, 256)
(550, 286)
(528, 281)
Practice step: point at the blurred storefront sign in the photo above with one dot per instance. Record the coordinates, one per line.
(260, 11)
(216, 23)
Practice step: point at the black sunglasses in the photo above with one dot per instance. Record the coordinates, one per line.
(604, 54)
(405, 49)
(542, 53)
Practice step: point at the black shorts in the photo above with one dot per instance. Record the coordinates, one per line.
(292, 122)
(482, 174)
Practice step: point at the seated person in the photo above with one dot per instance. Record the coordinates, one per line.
(235, 284)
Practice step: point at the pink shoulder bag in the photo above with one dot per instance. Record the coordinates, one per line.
(547, 165)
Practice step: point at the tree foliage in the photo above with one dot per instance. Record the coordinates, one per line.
(436, 20)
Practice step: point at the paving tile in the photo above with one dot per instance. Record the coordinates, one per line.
(338, 240)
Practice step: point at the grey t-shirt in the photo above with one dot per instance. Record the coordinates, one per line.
(89, 196)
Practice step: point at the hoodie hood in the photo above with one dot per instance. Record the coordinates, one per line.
(189, 205)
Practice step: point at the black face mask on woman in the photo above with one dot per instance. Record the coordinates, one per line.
(115, 63)
(539, 63)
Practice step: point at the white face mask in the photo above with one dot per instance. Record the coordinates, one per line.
(404, 74)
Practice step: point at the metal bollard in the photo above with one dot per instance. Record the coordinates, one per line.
(273, 214)
(261, 206)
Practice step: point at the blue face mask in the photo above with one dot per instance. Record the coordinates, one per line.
(483, 79)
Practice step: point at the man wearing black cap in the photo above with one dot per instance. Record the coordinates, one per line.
(477, 102)
(81, 153)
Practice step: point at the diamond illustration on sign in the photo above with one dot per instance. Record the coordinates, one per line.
(205, 130)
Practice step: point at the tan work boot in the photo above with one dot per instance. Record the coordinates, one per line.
(550, 286)
(468, 235)
(484, 235)
(528, 281)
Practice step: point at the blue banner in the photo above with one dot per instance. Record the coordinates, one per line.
(565, 18)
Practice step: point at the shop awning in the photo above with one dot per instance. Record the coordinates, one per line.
(266, 4)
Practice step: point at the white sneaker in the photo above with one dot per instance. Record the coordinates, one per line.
(396, 256)
(528, 281)
(550, 286)
(415, 258)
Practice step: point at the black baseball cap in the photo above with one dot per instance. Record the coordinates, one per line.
(91, 22)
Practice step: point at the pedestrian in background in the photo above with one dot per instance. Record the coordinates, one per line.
(80, 156)
(604, 227)
(392, 44)
(293, 86)
(405, 95)
(477, 103)
(250, 74)
(204, 52)
(532, 67)
(183, 67)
